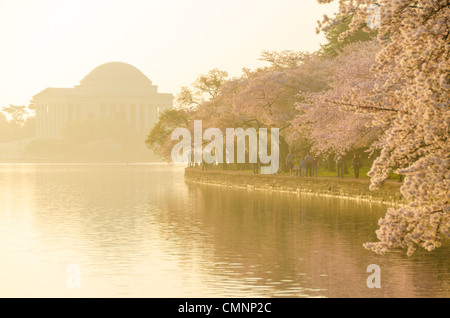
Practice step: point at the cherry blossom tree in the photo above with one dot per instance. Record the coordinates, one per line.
(17, 113)
(334, 47)
(159, 138)
(329, 117)
(204, 88)
(263, 98)
(414, 72)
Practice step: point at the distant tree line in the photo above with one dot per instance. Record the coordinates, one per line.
(20, 125)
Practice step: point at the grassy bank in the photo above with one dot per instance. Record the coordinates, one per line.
(350, 188)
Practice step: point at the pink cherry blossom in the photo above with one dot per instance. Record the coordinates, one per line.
(414, 74)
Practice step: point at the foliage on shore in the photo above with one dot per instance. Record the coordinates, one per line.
(391, 95)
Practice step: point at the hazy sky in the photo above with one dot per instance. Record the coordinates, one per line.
(56, 43)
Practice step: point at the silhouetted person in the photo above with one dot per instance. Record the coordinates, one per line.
(302, 167)
(191, 159)
(297, 171)
(357, 164)
(315, 166)
(339, 166)
(256, 167)
(205, 165)
(290, 163)
(309, 165)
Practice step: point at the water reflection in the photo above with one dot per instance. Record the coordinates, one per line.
(141, 230)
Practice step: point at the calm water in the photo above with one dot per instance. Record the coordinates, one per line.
(142, 231)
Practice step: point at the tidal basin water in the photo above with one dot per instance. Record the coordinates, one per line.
(142, 231)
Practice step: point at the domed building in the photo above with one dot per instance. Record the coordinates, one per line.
(110, 89)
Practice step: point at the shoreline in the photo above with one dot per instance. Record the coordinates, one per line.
(347, 188)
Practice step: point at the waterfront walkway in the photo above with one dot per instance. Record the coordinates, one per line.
(328, 186)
